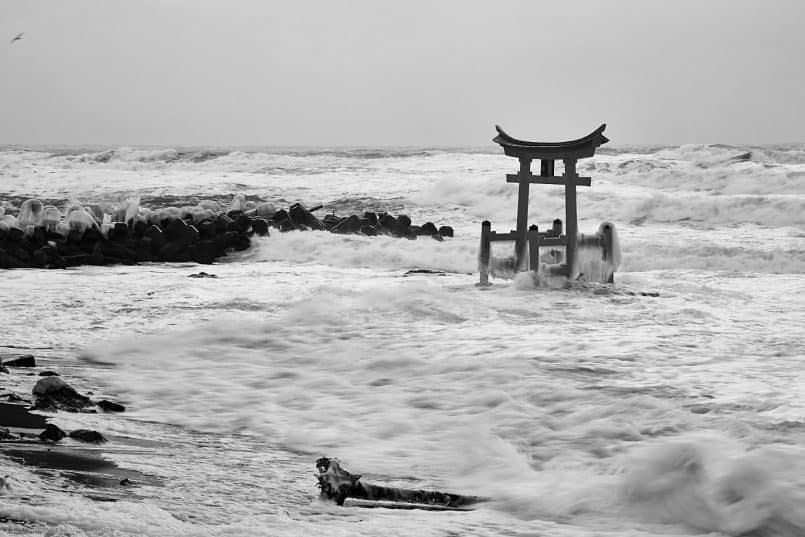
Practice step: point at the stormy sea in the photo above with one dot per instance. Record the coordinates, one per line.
(670, 403)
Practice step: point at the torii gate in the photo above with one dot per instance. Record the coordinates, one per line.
(547, 152)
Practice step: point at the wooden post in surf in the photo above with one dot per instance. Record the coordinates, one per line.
(547, 153)
(571, 222)
(556, 230)
(520, 240)
(484, 253)
(607, 233)
(533, 248)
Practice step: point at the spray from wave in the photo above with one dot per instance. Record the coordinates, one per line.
(354, 251)
(713, 484)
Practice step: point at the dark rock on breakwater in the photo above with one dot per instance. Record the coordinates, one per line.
(43, 236)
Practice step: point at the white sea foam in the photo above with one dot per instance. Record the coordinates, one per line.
(366, 252)
(358, 375)
(594, 410)
(714, 484)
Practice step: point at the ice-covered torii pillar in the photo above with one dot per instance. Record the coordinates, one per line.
(547, 153)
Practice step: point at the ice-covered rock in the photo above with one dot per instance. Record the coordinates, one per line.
(201, 215)
(170, 214)
(8, 222)
(211, 205)
(98, 211)
(131, 207)
(80, 220)
(51, 217)
(238, 203)
(31, 213)
(153, 217)
(265, 210)
(63, 229)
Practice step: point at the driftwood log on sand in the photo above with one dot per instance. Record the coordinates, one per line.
(338, 484)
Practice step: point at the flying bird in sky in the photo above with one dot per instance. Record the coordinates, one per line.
(17, 38)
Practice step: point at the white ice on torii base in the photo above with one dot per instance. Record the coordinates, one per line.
(592, 267)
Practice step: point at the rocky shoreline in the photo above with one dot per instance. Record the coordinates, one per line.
(27, 437)
(42, 236)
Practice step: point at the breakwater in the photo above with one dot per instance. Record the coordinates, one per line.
(44, 236)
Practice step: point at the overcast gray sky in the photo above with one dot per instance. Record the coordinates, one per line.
(406, 72)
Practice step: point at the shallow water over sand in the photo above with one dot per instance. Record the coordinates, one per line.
(581, 412)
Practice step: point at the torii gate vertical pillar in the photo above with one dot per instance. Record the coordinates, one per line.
(521, 235)
(571, 218)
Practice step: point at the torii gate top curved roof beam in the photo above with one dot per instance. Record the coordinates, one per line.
(573, 149)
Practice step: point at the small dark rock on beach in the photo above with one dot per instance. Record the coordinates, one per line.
(53, 393)
(51, 434)
(109, 406)
(25, 360)
(202, 275)
(86, 435)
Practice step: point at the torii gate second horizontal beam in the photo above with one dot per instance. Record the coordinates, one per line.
(549, 180)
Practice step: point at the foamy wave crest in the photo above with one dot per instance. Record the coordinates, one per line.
(69, 518)
(776, 211)
(352, 251)
(488, 197)
(714, 484)
(85, 517)
(277, 160)
(709, 154)
(643, 255)
(131, 155)
(705, 154)
(779, 155)
(335, 373)
(412, 379)
(735, 178)
(492, 198)
(704, 484)
(138, 159)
